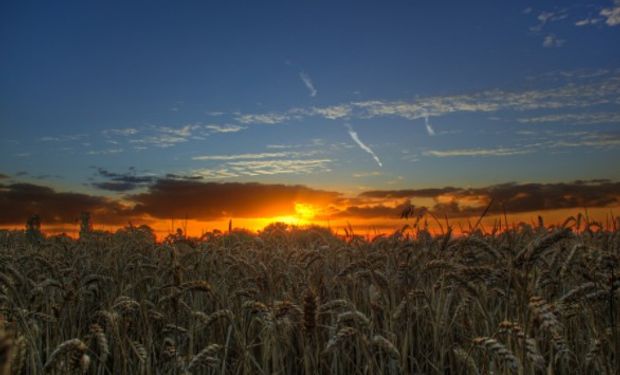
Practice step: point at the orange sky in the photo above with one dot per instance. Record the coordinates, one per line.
(370, 227)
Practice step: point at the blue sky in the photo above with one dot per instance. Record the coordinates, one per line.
(346, 96)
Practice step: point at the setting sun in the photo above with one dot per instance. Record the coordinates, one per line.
(305, 212)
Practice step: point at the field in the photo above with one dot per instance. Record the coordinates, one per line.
(531, 300)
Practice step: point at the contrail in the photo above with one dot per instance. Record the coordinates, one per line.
(357, 140)
(429, 128)
(308, 82)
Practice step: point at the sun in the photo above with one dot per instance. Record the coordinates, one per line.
(305, 212)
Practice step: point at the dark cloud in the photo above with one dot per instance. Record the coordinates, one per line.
(511, 196)
(122, 181)
(47, 176)
(20, 200)
(411, 193)
(537, 197)
(173, 176)
(115, 186)
(184, 196)
(210, 200)
(372, 211)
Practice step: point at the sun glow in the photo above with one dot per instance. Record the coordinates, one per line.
(305, 211)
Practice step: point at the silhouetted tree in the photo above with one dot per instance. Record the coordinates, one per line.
(33, 229)
(86, 226)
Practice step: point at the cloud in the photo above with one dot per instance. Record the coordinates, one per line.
(165, 136)
(612, 15)
(539, 197)
(273, 167)
(108, 151)
(228, 128)
(305, 78)
(264, 155)
(372, 211)
(429, 128)
(498, 151)
(266, 118)
(121, 182)
(19, 201)
(63, 138)
(332, 112)
(199, 200)
(545, 17)
(366, 174)
(207, 201)
(252, 165)
(593, 140)
(125, 132)
(516, 198)
(192, 199)
(552, 41)
(575, 118)
(156, 136)
(553, 140)
(115, 186)
(408, 193)
(593, 88)
(588, 21)
(567, 96)
(357, 140)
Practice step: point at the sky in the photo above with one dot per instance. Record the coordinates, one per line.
(306, 111)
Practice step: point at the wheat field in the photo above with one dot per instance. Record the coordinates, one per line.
(530, 300)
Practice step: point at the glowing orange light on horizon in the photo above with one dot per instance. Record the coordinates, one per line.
(306, 214)
(305, 211)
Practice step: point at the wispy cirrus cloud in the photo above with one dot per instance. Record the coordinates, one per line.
(252, 168)
(429, 128)
(602, 87)
(279, 166)
(574, 118)
(363, 146)
(264, 118)
(63, 138)
(305, 78)
(226, 128)
(264, 155)
(125, 132)
(167, 136)
(549, 141)
(496, 151)
(331, 112)
(107, 151)
(595, 140)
